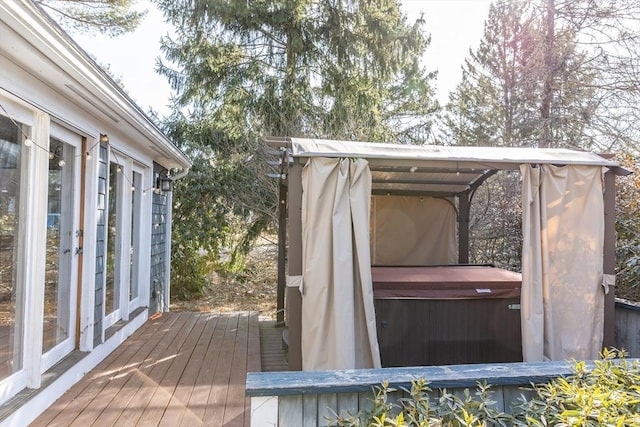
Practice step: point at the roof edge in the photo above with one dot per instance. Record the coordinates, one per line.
(58, 43)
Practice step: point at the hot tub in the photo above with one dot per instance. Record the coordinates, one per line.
(445, 315)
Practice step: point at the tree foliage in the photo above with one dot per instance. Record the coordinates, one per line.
(551, 73)
(628, 231)
(577, 56)
(111, 17)
(504, 83)
(346, 69)
(609, 42)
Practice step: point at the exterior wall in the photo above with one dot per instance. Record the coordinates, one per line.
(159, 275)
(101, 238)
(47, 83)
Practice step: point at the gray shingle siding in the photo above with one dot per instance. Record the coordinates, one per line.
(158, 248)
(100, 243)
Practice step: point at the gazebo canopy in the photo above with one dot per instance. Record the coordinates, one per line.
(433, 169)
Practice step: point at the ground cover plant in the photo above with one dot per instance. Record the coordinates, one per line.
(605, 393)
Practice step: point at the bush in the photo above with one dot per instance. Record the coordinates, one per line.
(420, 409)
(189, 272)
(605, 394)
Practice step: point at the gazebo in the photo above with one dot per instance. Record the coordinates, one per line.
(360, 213)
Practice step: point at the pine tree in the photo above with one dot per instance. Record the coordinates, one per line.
(519, 89)
(549, 73)
(112, 17)
(344, 69)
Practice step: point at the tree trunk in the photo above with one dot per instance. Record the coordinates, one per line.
(549, 71)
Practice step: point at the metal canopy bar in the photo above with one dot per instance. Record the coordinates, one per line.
(449, 165)
(418, 181)
(277, 142)
(424, 169)
(412, 192)
(620, 171)
(478, 182)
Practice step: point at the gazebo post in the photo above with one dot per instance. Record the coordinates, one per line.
(609, 262)
(463, 227)
(282, 250)
(294, 298)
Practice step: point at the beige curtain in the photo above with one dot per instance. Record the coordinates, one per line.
(338, 317)
(563, 229)
(413, 231)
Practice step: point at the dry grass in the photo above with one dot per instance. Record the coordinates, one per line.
(252, 289)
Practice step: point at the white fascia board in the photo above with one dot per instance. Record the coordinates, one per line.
(93, 83)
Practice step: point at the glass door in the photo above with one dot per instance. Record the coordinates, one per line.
(12, 165)
(125, 224)
(137, 189)
(60, 295)
(115, 240)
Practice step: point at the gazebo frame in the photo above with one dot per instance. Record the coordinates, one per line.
(436, 171)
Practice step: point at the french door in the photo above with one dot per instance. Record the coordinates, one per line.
(13, 168)
(135, 241)
(116, 232)
(62, 249)
(125, 228)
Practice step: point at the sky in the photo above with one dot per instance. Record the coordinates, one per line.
(454, 25)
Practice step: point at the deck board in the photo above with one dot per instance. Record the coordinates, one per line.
(272, 352)
(65, 410)
(180, 369)
(214, 411)
(235, 405)
(177, 412)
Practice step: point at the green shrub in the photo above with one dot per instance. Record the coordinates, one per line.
(604, 394)
(608, 394)
(190, 270)
(421, 409)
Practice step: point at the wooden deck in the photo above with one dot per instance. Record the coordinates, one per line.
(272, 352)
(182, 369)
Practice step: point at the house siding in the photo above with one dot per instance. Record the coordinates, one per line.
(53, 89)
(101, 237)
(158, 280)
